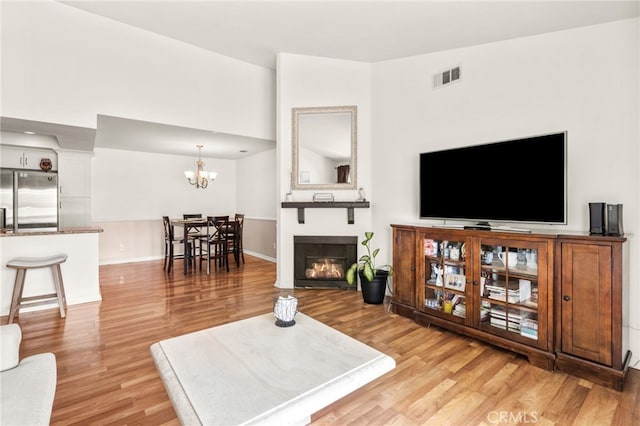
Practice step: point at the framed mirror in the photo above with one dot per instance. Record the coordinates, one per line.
(324, 147)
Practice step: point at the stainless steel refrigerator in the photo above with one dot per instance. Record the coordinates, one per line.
(28, 200)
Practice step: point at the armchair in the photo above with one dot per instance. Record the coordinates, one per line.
(27, 387)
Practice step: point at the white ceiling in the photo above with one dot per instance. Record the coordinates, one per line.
(121, 133)
(367, 31)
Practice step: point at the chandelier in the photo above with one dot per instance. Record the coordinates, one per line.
(200, 178)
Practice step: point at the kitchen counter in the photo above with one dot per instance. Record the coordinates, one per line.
(27, 232)
(80, 273)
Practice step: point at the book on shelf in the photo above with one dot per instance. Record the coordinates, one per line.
(500, 311)
(522, 322)
(501, 323)
(515, 293)
(529, 328)
(484, 314)
(533, 299)
(499, 293)
(460, 310)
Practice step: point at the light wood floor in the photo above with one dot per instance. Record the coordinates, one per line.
(106, 374)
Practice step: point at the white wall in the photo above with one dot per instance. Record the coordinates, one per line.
(584, 81)
(64, 65)
(320, 168)
(256, 178)
(305, 81)
(145, 186)
(133, 190)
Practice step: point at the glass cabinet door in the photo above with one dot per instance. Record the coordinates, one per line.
(509, 290)
(445, 265)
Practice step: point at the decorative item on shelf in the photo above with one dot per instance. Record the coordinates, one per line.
(373, 280)
(485, 280)
(433, 276)
(430, 248)
(285, 308)
(200, 178)
(439, 271)
(288, 197)
(323, 197)
(46, 164)
(532, 259)
(510, 259)
(455, 282)
(522, 259)
(454, 253)
(361, 196)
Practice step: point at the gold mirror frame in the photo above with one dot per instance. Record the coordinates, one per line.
(297, 143)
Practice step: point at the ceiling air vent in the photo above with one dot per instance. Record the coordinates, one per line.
(446, 77)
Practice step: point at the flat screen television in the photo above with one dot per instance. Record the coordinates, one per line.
(516, 181)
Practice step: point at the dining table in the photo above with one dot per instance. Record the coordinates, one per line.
(199, 222)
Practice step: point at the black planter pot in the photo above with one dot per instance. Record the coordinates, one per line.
(373, 291)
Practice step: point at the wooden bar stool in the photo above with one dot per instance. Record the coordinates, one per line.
(21, 264)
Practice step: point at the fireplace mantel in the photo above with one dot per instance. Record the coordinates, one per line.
(349, 205)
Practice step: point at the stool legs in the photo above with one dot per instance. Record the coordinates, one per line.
(57, 281)
(17, 301)
(17, 293)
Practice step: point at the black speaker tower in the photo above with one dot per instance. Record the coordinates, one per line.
(597, 225)
(614, 220)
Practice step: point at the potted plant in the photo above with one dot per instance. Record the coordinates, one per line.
(373, 280)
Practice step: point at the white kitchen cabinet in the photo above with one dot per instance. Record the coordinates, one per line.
(17, 157)
(74, 173)
(74, 212)
(74, 177)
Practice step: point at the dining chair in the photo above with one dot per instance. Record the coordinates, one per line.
(193, 234)
(213, 245)
(227, 230)
(169, 242)
(235, 238)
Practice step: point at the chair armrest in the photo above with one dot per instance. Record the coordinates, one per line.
(27, 391)
(10, 338)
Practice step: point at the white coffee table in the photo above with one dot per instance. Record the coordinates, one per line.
(253, 372)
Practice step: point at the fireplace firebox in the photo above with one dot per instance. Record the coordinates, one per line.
(322, 261)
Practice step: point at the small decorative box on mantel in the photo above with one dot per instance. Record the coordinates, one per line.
(322, 197)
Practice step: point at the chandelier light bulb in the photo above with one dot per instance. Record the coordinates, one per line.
(200, 179)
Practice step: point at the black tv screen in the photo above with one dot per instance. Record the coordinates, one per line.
(520, 180)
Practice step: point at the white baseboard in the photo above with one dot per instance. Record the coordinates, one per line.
(130, 260)
(149, 258)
